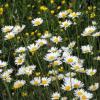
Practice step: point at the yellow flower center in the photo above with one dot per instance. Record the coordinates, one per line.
(44, 81)
(37, 23)
(7, 29)
(56, 97)
(33, 49)
(70, 60)
(17, 86)
(80, 93)
(92, 73)
(56, 40)
(84, 97)
(55, 63)
(68, 88)
(76, 85)
(63, 15)
(66, 24)
(77, 67)
(20, 60)
(10, 36)
(74, 14)
(51, 58)
(36, 82)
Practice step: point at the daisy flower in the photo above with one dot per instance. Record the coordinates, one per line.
(86, 48)
(18, 84)
(37, 21)
(20, 50)
(51, 56)
(17, 29)
(88, 31)
(74, 14)
(62, 14)
(56, 39)
(9, 36)
(6, 75)
(3, 64)
(6, 29)
(45, 81)
(97, 34)
(94, 87)
(36, 81)
(65, 24)
(91, 72)
(55, 96)
(33, 47)
(41, 42)
(20, 59)
(71, 59)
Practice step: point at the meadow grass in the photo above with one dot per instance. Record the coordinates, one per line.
(49, 49)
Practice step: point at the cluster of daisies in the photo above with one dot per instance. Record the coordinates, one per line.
(12, 31)
(69, 16)
(63, 66)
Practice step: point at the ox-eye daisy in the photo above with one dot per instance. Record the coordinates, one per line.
(83, 95)
(6, 29)
(71, 59)
(6, 75)
(20, 59)
(45, 81)
(3, 64)
(88, 31)
(91, 72)
(97, 34)
(65, 24)
(17, 29)
(52, 56)
(94, 87)
(74, 14)
(20, 50)
(55, 96)
(62, 14)
(37, 21)
(19, 84)
(86, 48)
(9, 36)
(36, 81)
(41, 42)
(26, 70)
(56, 39)
(33, 47)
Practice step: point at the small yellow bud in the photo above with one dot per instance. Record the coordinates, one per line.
(29, 18)
(32, 33)
(63, 2)
(52, 1)
(32, 6)
(37, 73)
(38, 34)
(28, 5)
(6, 5)
(1, 11)
(18, 37)
(24, 94)
(27, 34)
(58, 7)
(52, 11)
